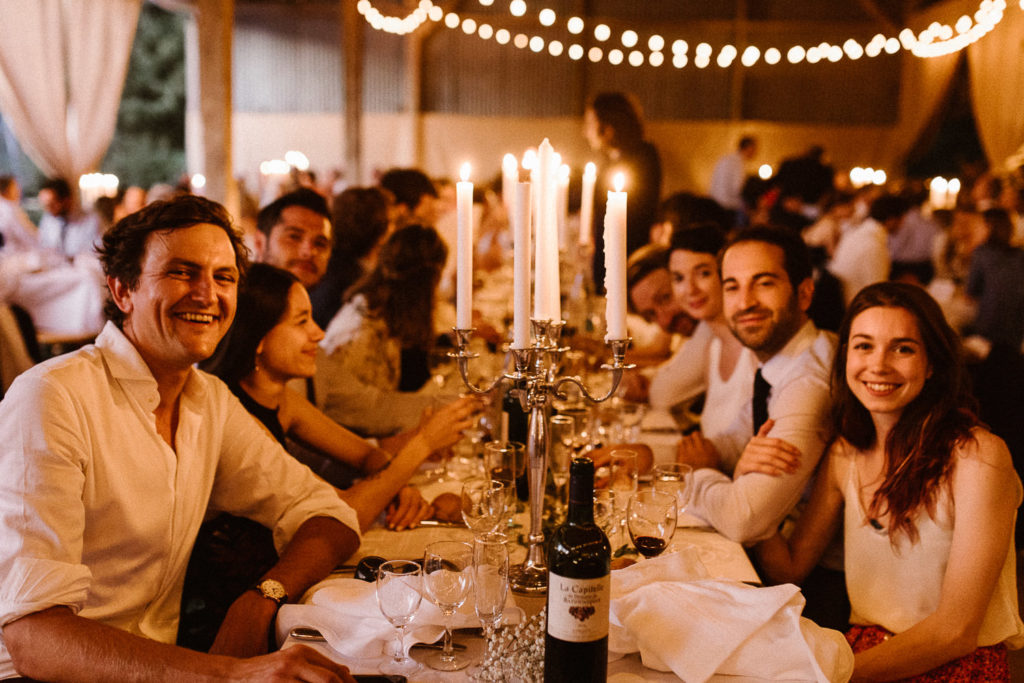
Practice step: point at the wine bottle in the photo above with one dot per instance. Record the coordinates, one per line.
(515, 427)
(579, 588)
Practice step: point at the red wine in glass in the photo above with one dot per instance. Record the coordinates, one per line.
(649, 546)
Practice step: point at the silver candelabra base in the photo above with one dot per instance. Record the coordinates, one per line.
(533, 381)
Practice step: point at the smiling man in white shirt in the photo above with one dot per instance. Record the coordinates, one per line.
(767, 287)
(111, 456)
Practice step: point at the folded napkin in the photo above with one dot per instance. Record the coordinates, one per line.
(681, 621)
(346, 612)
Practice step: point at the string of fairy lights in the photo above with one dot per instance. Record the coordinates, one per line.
(629, 47)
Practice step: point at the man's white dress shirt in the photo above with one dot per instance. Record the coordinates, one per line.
(751, 507)
(99, 514)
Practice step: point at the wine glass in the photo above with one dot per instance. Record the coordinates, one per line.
(604, 512)
(399, 584)
(506, 462)
(447, 575)
(490, 578)
(651, 520)
(674, 478)
(625, 476)
(562, 431)
(483, 504)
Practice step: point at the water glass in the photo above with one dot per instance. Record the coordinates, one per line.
(399, 585)
(675, 478)
(604, 513)
(506, 462)
(448, 576)
(561, 433)
(490, 578)
(483, 504)
(624, 479)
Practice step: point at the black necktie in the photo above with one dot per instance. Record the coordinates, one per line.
(760, 401)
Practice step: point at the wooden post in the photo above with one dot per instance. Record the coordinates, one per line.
(352, 67)
(215, 25)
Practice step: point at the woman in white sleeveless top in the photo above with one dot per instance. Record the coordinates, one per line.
(727, 367)
(927, 498)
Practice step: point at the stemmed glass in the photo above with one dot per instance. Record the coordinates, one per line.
(625, 476)
(447, 575)
(562, 432)
(651, 520)
(604, 513)
(490, 578)
(483, 504)
(506, 462)
(674, 478)
(399, 584)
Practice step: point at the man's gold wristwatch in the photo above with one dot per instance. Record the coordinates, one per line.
(272, 590)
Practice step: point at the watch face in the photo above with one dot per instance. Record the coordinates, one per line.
(273, 590)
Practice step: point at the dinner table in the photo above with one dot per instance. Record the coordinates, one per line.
(723, 559)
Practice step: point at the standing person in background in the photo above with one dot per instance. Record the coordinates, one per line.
(925, 496)
(65, 228)
(613, 128)
(728, 177)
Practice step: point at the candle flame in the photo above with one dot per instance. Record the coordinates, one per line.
(509, 162)
(563, 173)
(464, 171)
(529, 159)
(954, 185)
(590, 170)
(619, 181)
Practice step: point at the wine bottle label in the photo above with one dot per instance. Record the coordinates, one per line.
(578, 608)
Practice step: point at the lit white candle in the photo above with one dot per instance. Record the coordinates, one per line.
(509, 178)
(952, 192)
(543, 188)
(615, 260)
(562, 206)
(464, 264)
(937, 192)
(587, 203)
(521, 266)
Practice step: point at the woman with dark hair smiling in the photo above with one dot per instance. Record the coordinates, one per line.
(926, 496)
(274, 340)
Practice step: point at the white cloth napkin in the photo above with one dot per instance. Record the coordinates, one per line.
(346, 612)
(681, 621)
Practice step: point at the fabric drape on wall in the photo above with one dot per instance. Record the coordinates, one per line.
(62, 69)
(926, 81)
(996, 71)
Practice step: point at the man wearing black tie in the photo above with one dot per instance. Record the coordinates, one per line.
(767, 287)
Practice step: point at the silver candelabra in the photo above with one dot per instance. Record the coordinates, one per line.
(532, 381)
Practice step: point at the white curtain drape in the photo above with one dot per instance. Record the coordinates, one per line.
(62, 68)
(996, 69)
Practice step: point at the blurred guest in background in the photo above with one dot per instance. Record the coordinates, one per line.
(64, 228)
(361, 218)
(376, 347)
(728, 176)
